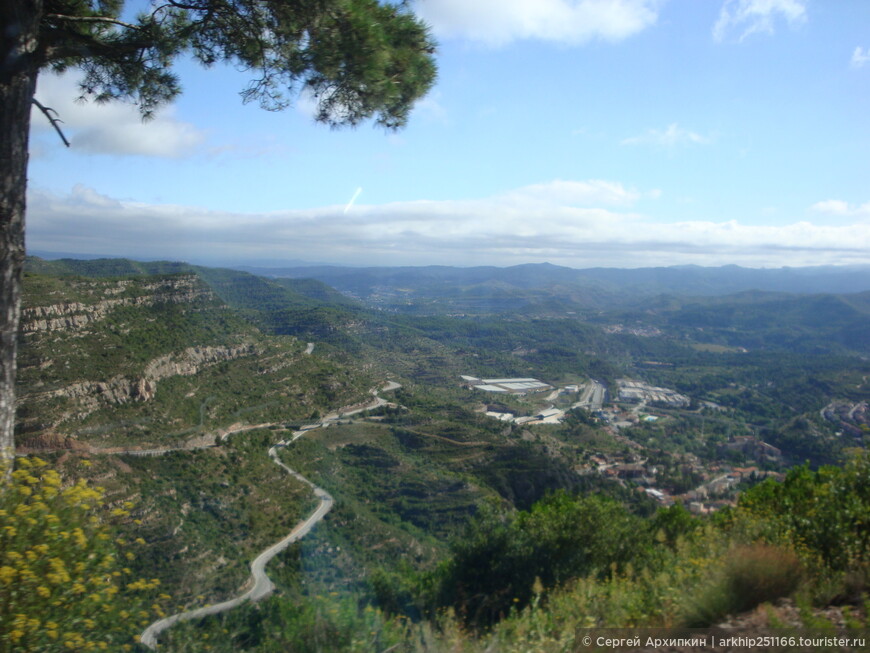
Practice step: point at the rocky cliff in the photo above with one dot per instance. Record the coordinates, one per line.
(159, 360)
(75, 315)
(90, 395)
(81, 353)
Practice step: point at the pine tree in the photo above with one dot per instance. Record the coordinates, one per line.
(359, 59)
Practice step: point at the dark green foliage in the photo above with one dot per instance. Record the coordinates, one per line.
(317, 290)
(494, 567)
(398, 591)
(104, 267)
(826, 511)
(523, 474)
(358, 58)
(815, 524)
(670, 524)
(279, 624)
(278, 307)
(399, 485)
(772, 321)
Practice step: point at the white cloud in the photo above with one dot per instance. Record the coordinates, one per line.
(672, 136)
(842, 209)
(114, 127)
(575, 223)
(498, 22)
(739, 19)
(571, 193)
(860, 57)
(84, 196)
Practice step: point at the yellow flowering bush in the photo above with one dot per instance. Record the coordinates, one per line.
(62, 586)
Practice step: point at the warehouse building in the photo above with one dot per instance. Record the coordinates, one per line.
(510, 386)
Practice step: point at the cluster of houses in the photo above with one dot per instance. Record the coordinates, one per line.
(850, 418)
(752, 447)
(717, 490)
(718, 485)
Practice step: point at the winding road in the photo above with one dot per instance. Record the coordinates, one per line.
(262, 586)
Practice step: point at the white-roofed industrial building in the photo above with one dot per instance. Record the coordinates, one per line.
(513, 386)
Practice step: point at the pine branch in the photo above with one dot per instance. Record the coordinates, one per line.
(53, 119)
(92, 19)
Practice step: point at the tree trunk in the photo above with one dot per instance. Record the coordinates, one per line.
(19, 23)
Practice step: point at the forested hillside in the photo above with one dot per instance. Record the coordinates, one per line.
(692, 488)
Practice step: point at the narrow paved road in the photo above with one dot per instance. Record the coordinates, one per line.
(262, 585)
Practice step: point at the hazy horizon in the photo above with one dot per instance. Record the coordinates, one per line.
(289, 264)
(629, 133)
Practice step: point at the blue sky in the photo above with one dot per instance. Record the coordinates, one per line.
(585, 133)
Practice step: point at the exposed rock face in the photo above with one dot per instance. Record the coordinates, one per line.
(75, 315)
(192, 359)
(87, 303)
(90, 395)
(48, 441)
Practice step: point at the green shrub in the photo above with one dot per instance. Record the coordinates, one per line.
(496, 565)
(279, 624)
(751, 575)
(823, 515)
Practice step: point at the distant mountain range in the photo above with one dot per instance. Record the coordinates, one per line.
(797, 309)
(438, 279)
(510, 287)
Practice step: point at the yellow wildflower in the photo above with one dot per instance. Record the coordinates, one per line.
(79, 537)
(7, 574)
